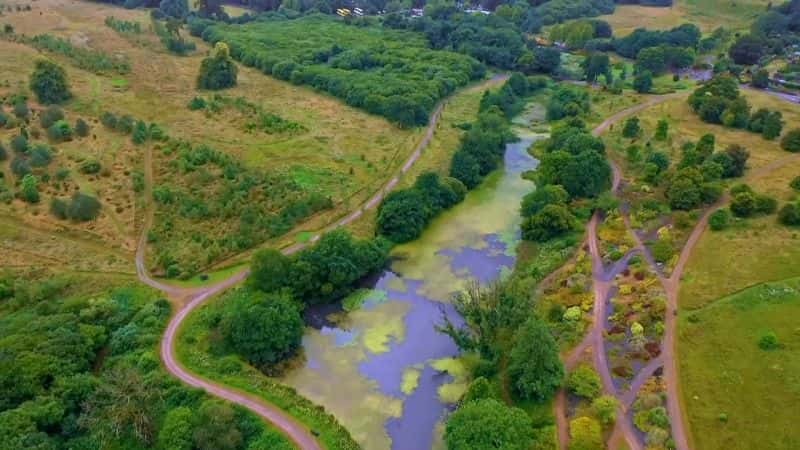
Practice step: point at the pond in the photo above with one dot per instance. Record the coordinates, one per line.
(377, 362)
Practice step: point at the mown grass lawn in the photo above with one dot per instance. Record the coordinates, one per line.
(735, 394)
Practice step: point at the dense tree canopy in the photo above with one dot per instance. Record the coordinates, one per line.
(534, 366)
(488, 424)
(265, 329)
(218, 71)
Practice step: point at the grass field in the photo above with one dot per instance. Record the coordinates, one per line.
(341, 151)
(706, 14)
(736, 395)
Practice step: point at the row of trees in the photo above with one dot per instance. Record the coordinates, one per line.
(718, 101)
(482, 147)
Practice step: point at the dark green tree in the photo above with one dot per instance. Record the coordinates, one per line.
(791, 141)
(631, 129)
(217, 71)
(49, 82)
(219, 430)
(265, 329)
(661, 130)
(643, 82)
(486, 425)
(402, 215)
(176, 432)
(551, 194)
(269, 270)
(552, 221)
(535, 368)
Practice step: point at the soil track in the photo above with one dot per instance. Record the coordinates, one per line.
(194, 297)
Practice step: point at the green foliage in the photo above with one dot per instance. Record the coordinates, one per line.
(552, 221)
(719, 220)
(584, 381)
(176, 432)
(123, 26)
(605, 408)
(631, 129)
(584, 175)
(662, 128)
(90, 167)
(662, 250)
(479, 389)
(643, 82)
(29, 190)
(768, 123)
(534, 365)
(83, 57)
(567, 101)
(20, 166)
(219, 430)
(60, 131)
(482, 147)
(21, 110)
(177, 9)
(585, 434)
(488, 424)
(403, 214)
(140, 133)
(746, 203)
(265, 329)
(317, 274)
(50, 116)
(3, 152)
(81, 207)
(790, 215)
(791, 141)
(795, 183)
(81, 128)
(218, 71)
(686, 35)
(49, 82)
(768, 341)
(550, 194)
(685, 189)
(357, 64)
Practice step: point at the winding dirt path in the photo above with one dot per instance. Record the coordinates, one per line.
(194, 297)
(601, 282)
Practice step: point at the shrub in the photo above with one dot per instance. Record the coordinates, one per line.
(631, 129)
(585, 434)
(4, 153)
(765, 205)
(19, 143)
(60, 131)
(21, 110)
(768, 341)
(719, 220)
(20, 166)
(790, 215)
(551, 194)
(29, 190)
(791, 141)
(109, 120)
(50, 116)
(140, 132)
(217, 71)
(743, 204)
(83, 207)
(81, 128)
(550, 222)
(584, 381)
(795, 183)
(662, 250)
(49, 82)
(196, 103)
(605, 408)
(643, 82)
(89, 167)
(40, 155)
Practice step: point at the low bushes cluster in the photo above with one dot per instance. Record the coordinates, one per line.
(92, 60)
(80, 207)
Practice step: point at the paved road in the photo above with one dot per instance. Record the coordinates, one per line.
(194, 297)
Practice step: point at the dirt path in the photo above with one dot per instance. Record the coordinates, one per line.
(194, 297)
(602, 282)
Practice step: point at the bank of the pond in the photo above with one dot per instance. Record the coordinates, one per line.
(382, 368)
(377, 363)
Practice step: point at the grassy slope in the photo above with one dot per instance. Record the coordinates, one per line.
(707, 14)
(339, 139)
(728, 261)
(723, 371)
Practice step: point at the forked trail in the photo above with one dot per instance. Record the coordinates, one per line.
(191, 298)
